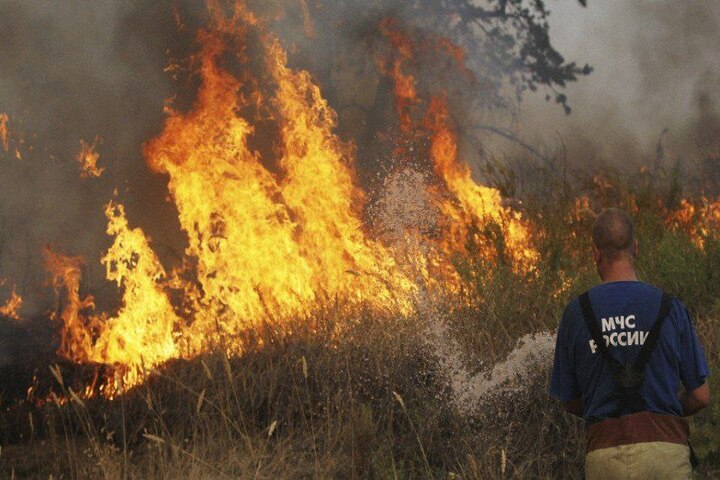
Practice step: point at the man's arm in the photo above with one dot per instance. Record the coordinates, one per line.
(574, 407)
(563, 381)
(695, 400)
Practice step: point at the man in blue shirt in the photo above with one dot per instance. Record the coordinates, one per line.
(632, 410)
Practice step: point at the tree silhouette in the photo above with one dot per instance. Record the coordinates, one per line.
(507, 42)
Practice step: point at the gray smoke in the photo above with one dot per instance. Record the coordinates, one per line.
(70, 71)
(655, 67)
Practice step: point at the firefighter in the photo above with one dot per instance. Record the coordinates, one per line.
(624, 349)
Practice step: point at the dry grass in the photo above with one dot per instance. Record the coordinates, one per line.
(371, 403)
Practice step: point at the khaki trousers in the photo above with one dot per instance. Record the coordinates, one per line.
(649, 460)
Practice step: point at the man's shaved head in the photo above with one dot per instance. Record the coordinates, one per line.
(613, 233)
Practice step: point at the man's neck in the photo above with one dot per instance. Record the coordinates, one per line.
(618, 272)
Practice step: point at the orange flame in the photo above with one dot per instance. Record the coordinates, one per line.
(142, 333)
(88, 158)
(12, 306)
(404, 83)
(700, 219)
(470, 205)
(264, 246)
(76, 329)
(4, 119)
(481, 204)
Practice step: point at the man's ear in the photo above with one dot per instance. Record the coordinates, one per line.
(636, 247)
(597, 254)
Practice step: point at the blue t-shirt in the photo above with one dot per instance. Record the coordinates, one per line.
(626, 311)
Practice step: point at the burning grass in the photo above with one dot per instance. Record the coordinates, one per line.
(348, 392)
(274, 230)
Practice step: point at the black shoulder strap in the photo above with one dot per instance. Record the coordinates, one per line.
(592, 324)
(654, 334)
(594, 328)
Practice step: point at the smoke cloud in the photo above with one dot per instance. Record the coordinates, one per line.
(655, 68)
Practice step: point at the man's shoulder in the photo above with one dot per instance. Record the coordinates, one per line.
(571, 316)
(639, 293)
(634, 286)
(573, 307)
(625, 293)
